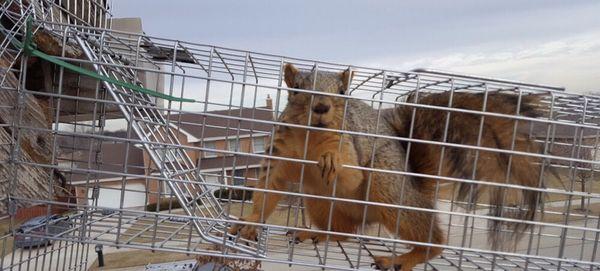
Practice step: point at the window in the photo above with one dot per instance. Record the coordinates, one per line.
(166, 154)
(212, 178)
(233, 145)
(166, 188)
(67, 164)
(239, 177)
(258, 144)
(210, 145)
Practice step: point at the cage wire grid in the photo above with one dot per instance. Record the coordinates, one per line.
(236, 82)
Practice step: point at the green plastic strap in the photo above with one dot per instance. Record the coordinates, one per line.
(29, 49)
(27, 46)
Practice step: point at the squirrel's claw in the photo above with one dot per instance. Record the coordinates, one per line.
(248, 232)
(329, 164)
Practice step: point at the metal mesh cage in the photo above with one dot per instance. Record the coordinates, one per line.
(132, 171)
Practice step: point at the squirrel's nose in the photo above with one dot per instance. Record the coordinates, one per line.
(321, 108)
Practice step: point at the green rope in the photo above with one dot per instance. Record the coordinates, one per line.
(30, 50)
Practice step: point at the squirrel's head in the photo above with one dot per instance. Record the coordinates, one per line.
(325, 109)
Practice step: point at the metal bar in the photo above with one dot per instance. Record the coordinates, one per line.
(430, 71)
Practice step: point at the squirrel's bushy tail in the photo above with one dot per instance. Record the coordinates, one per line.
(490, 166)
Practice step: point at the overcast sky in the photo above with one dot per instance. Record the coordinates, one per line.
(549, 42)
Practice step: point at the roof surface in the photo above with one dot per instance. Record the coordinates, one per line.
(202, 126)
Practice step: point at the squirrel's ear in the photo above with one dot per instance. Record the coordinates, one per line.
(346, 77)
(289, 74)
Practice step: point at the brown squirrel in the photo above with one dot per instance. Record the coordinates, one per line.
(325, 147)
(333, 149)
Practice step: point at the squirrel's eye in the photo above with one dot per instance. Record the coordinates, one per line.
(342, 91)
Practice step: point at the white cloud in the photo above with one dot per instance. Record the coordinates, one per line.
(571, 62)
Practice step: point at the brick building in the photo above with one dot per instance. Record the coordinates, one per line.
(104, 163)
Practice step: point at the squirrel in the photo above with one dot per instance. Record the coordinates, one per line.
(332, 149)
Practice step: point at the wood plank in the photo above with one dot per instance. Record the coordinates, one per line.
(35, 145)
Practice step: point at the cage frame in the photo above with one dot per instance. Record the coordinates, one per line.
(224, 62)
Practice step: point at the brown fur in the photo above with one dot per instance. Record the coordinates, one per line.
(497, 133)
(332, 150)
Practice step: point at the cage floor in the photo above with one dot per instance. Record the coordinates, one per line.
(173, 233)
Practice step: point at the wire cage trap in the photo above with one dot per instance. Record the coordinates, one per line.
(172, 165)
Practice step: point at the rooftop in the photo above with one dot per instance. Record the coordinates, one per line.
(209, 127)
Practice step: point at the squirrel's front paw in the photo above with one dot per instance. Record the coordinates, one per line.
(329, 164)
(248, 232)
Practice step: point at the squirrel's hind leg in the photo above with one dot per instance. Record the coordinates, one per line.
(318, 212)
(414, 226)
